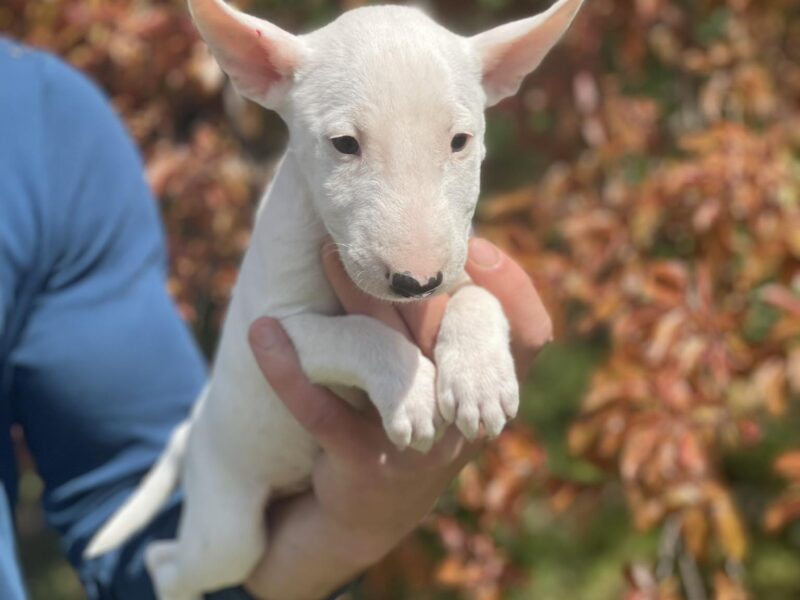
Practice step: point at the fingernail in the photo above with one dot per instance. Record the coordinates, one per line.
(483, 254)
(267, 334)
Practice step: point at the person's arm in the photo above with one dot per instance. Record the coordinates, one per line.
(95, 363)
(17, 243)
(367, 496)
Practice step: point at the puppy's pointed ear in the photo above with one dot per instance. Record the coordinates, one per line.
(259, 57)
(509, 52)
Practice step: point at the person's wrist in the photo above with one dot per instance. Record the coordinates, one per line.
(360, 547)
(344, 550)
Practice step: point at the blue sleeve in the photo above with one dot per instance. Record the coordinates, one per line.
(95, 363)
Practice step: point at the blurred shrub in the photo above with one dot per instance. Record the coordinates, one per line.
(676, 232)
(663, 228)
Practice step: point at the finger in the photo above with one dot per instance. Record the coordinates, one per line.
(454, 450)
(531, 327)
(423, 320)
(354, 300)
(334, 424)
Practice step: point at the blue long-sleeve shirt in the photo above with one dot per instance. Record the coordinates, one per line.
(95, 363)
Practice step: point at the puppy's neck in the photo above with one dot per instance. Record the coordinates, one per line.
(282, 271)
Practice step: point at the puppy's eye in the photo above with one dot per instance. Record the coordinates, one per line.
(459, 142)
(346, 144)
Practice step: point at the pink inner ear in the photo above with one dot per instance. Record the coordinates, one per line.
(254, 63)
(501, 65)
(256, 55)
(264, 72)
(506, 65)
(511, 51)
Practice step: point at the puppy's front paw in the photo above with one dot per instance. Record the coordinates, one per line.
(476, 382)
(410, 416)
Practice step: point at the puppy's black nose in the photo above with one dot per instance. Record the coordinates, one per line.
(404, 284)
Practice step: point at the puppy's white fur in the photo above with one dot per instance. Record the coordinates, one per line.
(403, 87)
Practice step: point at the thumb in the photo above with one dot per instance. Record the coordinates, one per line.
(493, 269)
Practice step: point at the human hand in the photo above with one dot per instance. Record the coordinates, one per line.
(365, 494)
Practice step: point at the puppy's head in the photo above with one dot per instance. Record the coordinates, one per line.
(385, 110)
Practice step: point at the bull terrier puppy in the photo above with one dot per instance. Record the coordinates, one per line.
(385, 113)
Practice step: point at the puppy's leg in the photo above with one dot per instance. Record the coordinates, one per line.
(360, 352)
(476, 382)
(221, 536)
(162, 563)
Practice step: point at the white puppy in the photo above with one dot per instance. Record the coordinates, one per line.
(385, 112)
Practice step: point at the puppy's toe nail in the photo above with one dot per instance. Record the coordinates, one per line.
(468, 421)
(447, 403)
(423, 445)
(424, 432)
(439, 423)
(400, 434)
(493, 418)
(509, 399)
(494, 427)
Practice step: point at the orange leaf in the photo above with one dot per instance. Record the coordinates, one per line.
(728, 526)
(787, 465)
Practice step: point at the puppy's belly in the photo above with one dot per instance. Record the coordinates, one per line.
(253, 436)
(241, 421)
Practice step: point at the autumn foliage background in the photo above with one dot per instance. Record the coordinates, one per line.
(648, 178)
